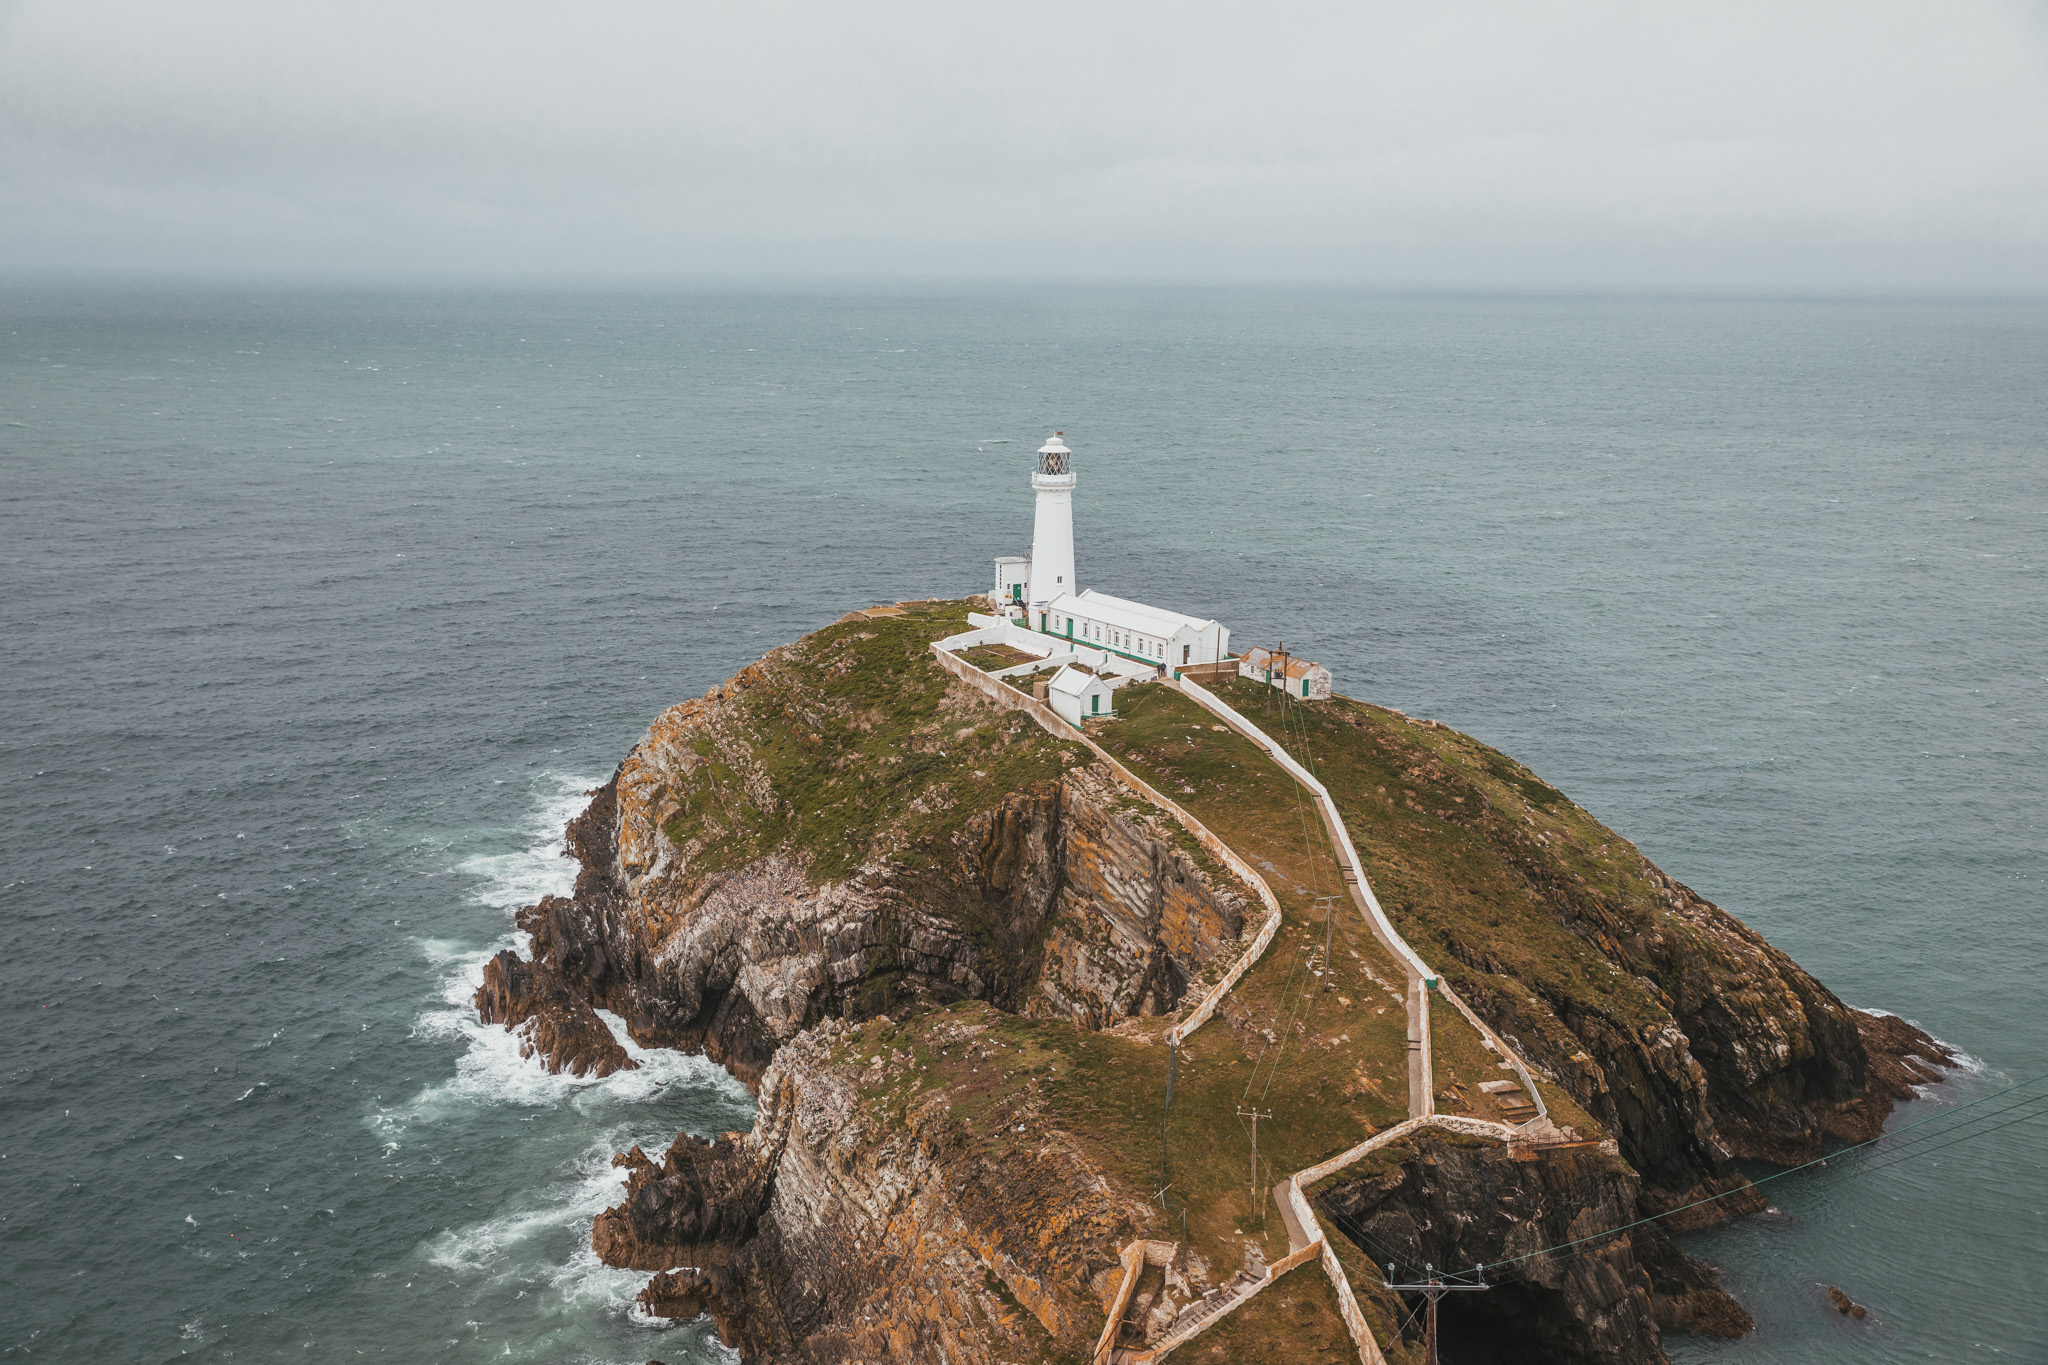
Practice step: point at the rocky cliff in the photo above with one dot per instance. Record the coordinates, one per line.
(1669, 1020)
(939, 944)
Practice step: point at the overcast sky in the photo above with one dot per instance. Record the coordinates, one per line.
(1794, 143)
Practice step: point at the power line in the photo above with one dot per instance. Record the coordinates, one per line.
(1311, 854)
(1358, 1234)
(1907, 1150)
(1432, 1288)
(1885, 1160)
(1930, 1130)
(1292, 967)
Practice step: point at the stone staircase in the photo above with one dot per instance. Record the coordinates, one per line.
(1510, 1101)
(1211, 1303)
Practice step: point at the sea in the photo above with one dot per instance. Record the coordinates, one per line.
(324, 605)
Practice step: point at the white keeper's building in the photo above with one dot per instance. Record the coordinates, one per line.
(1042, 593)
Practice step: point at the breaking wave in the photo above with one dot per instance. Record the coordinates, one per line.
(490, 1069)
(539, 1239)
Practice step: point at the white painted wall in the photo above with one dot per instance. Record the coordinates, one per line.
(1012, 571)
(1257, 664)
(1076, 695)
(1052, 541)
(1188, 645)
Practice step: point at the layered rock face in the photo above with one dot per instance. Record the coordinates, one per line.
(1071, 909)
(1673, 1023)
(841, 835)
(1733, 1050)
(848, 1228)
(1456, 1203)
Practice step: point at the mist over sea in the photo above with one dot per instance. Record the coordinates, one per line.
(323, 607)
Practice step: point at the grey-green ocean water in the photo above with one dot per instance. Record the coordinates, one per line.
(321, 606)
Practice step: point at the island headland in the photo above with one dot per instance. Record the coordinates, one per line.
(1014, 993)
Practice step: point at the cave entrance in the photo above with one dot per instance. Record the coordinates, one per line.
(1509, 1324)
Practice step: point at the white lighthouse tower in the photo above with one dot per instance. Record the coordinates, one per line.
(1052, 536)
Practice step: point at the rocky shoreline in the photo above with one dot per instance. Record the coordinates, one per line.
(932, 940)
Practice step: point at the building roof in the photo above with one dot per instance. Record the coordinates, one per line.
(1292, 665)
(1072, 681)
(1126, 615)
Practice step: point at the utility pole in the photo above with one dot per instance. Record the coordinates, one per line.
(1329, 904)
(1432, 1288)
(1254, 1115)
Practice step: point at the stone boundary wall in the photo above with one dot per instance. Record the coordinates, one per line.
(1187, 1334)
(1222, 668)
(1010, 698)
(1134, 1266)
(1347, 1301)
(1454, 1123)
(1347, 1308)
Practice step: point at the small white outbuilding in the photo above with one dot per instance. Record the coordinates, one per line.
(1304, 678)
(1078, 695)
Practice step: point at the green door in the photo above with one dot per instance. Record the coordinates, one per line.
(1095, 703)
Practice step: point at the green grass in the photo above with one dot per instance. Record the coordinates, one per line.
(845, 747)
(839, 748)
(1294, 1319)
(1497, 879)
(989, 658)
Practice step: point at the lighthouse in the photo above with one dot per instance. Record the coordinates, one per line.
(1052, 535)
(1039, 593)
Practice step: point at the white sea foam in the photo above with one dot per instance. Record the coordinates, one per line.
(640, 1317)
(492, 1248)
(526, 1247)
(490, 1069)
(541, 866)
(545, 1238)
(1966, 1063)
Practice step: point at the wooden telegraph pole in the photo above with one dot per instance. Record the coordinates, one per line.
(1432, 1288)
(1329, 904)
(1258, 1206)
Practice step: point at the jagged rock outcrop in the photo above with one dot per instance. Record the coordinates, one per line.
(1457, 1203)
(555, 1022)
(1056, 903)
(700, 1195)
(1678, 1027)
(871, 1232)
(842, 834)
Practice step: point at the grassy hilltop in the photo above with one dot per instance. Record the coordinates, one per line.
(867, 889)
